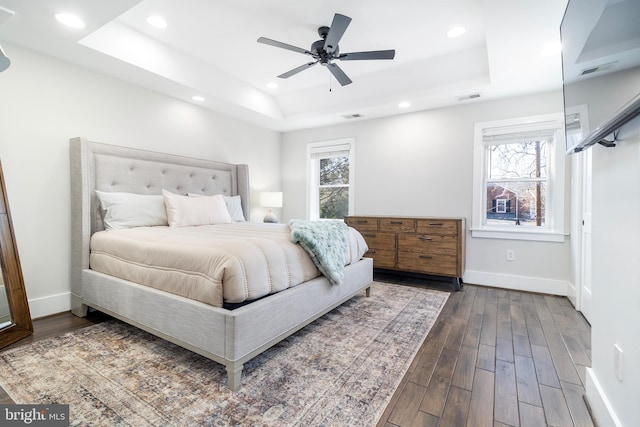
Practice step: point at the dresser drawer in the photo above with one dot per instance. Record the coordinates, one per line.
(428, 243)
(398, 224)
(362, 223)
(382, 258)
(443, 265)
(377, 240)
(432, 226)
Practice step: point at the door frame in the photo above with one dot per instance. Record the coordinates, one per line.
(580, 188)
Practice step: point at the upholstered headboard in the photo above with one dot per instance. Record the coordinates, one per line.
(96, 166)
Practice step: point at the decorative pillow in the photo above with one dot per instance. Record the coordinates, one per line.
(184, 211)
(234, 205)
(126, 210)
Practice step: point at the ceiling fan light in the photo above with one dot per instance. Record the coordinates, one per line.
(456, 32)
(198, 98)
(70, 20)
(404, 104)
(272, 85)
(157, 21)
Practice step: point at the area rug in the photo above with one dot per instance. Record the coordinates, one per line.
(341, 370)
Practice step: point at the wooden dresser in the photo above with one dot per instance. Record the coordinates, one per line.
(433, 246)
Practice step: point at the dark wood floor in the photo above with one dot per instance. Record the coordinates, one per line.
(493, 358)
(498, 358)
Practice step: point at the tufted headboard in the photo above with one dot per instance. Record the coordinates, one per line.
(96, 166)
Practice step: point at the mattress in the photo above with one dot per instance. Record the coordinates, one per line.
(214, 264)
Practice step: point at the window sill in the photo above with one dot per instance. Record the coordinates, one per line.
(538, 236)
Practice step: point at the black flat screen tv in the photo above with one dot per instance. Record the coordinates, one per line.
(600, 40)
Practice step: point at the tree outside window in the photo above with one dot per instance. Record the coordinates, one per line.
(334, 188)
(516, 183)
(331, 179)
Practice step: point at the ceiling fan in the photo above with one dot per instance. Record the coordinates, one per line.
(325, 51)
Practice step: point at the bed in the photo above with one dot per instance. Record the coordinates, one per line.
(230, 336)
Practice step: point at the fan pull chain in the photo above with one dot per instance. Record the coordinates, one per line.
(329, 82)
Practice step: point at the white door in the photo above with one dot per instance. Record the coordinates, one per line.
(585, 282)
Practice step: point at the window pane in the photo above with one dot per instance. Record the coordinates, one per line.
(518, 160)
(516, 203)
(334, 202)
(334, 171)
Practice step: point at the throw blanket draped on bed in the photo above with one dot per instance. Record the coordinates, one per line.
(326, 242)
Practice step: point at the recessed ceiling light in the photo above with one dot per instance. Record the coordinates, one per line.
(157, 21)
(456, 32)
(551, 49)
(272, 85)
(198, 98)
(70, 20)
(404, 104)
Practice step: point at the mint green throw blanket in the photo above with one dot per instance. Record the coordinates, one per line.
(326, 242)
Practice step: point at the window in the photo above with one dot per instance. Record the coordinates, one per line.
(519, 179)
(501, 205)
(330, 171)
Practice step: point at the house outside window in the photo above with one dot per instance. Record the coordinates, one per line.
(330, 177)
(519, 179)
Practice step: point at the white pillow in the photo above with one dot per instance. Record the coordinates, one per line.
(126, 210)
(184, 211)
(234, 205)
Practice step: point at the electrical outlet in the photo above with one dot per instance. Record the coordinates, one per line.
(617, 361)
(511, 255)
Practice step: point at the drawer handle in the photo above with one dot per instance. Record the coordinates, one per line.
(425, 238)
(372, 236)
(372, 252)
(436, 224)
(425, 257)
(396, 222)
(361, 221)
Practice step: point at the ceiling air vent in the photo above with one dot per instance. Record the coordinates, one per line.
(468, 97)
(597, 68)
(352, 116)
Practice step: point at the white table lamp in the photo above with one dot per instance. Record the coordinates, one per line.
(271, 199)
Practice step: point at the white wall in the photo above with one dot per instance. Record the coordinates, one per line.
(45, 102)
(616, 251)
(616, 283)
(421, 164)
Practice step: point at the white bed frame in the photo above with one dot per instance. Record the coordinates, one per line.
(230, 337)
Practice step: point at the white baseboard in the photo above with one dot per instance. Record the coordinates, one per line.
(600, 407)
(40, 307)
(519, 283)
(572, 294)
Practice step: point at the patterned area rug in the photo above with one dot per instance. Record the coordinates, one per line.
(340, 370)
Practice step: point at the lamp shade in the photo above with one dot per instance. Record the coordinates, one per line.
(271, 199)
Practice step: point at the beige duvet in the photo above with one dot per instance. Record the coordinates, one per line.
(213, 264)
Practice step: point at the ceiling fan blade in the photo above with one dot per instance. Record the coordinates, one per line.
(275, 43)
(297, 70)
(373, 54)
(337, 72)
(336, 31)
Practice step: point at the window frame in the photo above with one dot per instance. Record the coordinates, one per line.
(313, 174)
(554, 228)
